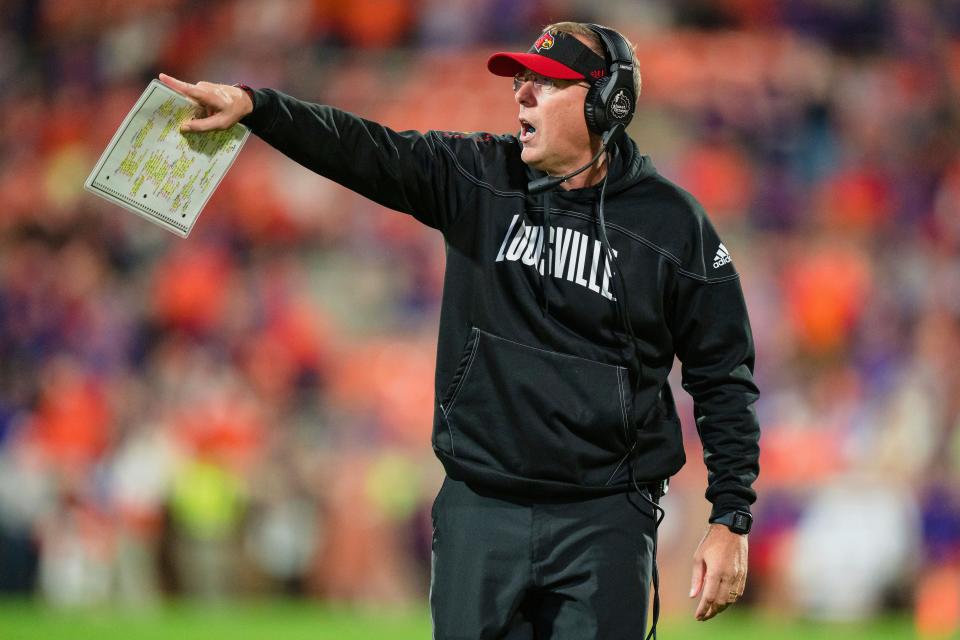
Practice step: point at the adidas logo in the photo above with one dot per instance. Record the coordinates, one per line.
(722, 257)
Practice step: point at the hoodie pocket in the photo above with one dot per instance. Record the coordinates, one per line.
(530, 412)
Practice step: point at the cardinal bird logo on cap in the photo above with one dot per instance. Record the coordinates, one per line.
(544, 42)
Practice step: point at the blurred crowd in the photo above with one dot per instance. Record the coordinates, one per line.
(248, 411)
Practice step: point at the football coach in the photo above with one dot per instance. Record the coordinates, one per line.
(575, 273)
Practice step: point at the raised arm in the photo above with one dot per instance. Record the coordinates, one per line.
(407, 171)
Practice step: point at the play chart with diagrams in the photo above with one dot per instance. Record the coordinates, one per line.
(157, 172)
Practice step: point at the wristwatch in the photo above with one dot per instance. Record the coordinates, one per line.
(737, 521)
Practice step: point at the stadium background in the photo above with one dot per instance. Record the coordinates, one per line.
(245, 414)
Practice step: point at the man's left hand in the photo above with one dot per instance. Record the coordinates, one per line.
(719, 570)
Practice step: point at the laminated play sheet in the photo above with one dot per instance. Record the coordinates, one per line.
(157, 172)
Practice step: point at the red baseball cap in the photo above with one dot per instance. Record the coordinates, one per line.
(555, 54)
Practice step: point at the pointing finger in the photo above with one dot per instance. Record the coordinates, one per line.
(180, 86)
(173, 83)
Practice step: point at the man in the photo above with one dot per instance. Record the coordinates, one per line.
(556, 427)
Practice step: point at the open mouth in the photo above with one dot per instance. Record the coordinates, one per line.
(527, 131)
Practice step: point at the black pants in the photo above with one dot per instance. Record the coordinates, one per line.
(558, 570)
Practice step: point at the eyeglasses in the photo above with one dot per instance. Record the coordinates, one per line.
(543, 83)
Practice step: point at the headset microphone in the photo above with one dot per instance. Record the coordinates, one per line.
(546, 183)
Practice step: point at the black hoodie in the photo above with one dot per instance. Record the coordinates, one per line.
(535, 377)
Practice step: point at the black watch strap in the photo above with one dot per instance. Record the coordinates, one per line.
(737, 521)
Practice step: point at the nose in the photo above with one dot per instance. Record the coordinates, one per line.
(524, 95)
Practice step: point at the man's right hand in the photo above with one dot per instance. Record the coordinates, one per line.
(225, 105)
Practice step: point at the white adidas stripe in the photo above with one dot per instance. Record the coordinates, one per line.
(722, 257)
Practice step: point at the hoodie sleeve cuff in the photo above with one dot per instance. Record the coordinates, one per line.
(726, 504)
(264, 109)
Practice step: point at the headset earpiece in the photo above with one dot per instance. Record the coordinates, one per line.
(611, 100)
(593, 109)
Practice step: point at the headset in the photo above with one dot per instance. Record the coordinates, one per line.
(611, 100)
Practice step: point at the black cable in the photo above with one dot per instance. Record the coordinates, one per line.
(655, 572)
(624, 309)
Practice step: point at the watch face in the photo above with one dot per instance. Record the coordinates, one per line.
(741, 522)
